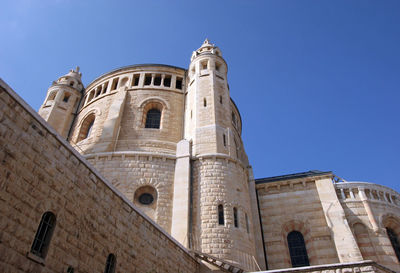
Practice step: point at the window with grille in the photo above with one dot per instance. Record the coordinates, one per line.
(43, 235)
(221, 220)
(395, 242)
(110, 264)
(153, 118)
(297, 249)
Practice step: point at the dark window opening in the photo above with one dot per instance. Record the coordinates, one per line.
(71, 84)
(98, 91)
(146, 198)
(136, 80)
(221, 220)
(220, 99)
(105, 87)
(217, 66)
(167, 81)
(114, 84)
(70, 269)
(153, 118)
(224, 138)
(157, 80)
(247, 223)
(178, 83)
(110, 264)
(297, 249)
(66, 97)
(43, 235)
(394, 241)
(205, 102)
(147, 79)
(235, 218)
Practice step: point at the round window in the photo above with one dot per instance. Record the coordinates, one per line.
(146, 198)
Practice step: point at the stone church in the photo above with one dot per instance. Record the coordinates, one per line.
(144, 170)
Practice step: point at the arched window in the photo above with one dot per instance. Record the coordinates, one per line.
(110, 264)
(153, 118)
(43, 234)
(395, 242)
(297, 249)
(86, 127)
(221, 220)
(235, 217)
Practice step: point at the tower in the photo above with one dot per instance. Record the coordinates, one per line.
(222, 214)
(61, 101)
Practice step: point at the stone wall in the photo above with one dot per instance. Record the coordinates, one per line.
(286, 206)
(40, 172)
(223, 181)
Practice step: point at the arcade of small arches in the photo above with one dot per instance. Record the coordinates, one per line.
(139, 80)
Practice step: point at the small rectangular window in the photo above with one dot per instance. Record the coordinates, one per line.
(204, 65)
(217, 66)
(224, 138)
(247, 223)
(114, 84)
(157, 80)
(178, 83)
(66, 97)
(136, 79)
(167, 81)
(147, 79)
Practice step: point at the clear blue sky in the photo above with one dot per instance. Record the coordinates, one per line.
(316, 82)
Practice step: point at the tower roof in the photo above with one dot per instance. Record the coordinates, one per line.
(74, 73)
(206, 48)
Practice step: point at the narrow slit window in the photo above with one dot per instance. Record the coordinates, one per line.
(136, 80)
(167, 81)
(205, 102)
(247, 223)
(147, 79)
(178, 83)
(114, 84)
(153, 118)
(220, 99)
(110, 264)
(221, 220)
(157, 80)
(235, 217)
(297, 249)
(224, 139)
(43, 235)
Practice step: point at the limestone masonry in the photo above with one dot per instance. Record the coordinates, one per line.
(144, 170)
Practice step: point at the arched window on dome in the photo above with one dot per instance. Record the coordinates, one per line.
(394, 241)
(153, 118)
(43, 235)
(297, 249)
(86, 127)
(221, 220)
(110, 264)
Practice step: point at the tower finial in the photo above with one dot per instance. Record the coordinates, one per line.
(77, 69)
(206, 41)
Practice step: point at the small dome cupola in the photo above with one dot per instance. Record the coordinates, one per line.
(206, 48)
(73, 79)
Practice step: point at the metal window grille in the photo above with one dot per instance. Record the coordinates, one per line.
(153, 118)
(110, 264)
(394, 241)
(297, 249)
(43, 235)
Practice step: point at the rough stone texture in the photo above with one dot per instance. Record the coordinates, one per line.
(39, 173)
